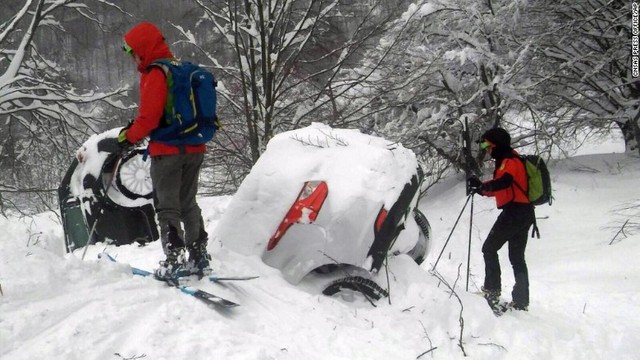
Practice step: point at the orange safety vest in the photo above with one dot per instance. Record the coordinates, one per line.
(515, 168)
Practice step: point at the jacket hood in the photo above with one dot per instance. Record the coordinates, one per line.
(502, 141)
(146, 41)
(498, 136)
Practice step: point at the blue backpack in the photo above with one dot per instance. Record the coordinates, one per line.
(190, 113)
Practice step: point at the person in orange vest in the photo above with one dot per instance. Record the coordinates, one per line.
(514, 221)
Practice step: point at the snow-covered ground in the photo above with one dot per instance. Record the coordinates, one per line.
(585, 292)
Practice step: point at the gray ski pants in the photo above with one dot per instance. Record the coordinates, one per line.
(175, 185)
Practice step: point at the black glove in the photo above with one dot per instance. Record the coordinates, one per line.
(474, 185)
(126, 127)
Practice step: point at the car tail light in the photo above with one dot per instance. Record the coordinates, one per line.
(303, 211)
(382, 216)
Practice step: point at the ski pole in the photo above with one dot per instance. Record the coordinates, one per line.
(106, 190)
(451, 233)
(469, 249)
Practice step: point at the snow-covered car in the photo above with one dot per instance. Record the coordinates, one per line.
(107, 194)
(323, 200)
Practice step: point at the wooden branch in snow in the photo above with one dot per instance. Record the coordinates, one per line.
(321, 143)
(619, 231)
(426, 352)
(426, 334)
(134, 357)
(493, 344)
(453, 293)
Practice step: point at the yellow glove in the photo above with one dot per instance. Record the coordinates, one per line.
(122, 137)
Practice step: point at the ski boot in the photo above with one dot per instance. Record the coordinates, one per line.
(173, 268)
(199, 259)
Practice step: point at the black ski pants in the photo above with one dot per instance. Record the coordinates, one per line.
(512, 226)
(175, 185)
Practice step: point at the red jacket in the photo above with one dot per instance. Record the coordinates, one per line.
(146, 40)
(506, 178)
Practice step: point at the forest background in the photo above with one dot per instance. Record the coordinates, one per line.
(418, 72)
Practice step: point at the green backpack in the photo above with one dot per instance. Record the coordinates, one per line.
(538, 180)
(538, 184)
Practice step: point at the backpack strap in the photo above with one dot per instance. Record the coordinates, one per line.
(522, 161)
(535, 232)
(164, 65)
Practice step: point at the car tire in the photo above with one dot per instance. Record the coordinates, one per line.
(357, 283)
(419, 251)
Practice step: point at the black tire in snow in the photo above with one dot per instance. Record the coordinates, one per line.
(421, 248)
(356, 283)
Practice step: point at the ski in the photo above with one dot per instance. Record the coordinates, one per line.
(207, 298)
(217, 278)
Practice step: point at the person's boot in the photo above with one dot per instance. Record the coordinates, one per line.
(175, 265)
(517, 306)
(199, 259)
(493, 299)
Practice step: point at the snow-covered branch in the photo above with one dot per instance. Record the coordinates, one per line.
(42, 114)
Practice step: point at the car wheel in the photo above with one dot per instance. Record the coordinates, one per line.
(419, 251)
(356, 283)
(133, 176)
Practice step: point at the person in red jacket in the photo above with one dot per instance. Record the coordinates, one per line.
(508, 186)
(174, 169)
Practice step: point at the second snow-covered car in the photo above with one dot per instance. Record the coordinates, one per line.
(323, 200)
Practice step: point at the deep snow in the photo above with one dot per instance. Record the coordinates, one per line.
(584, 292)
